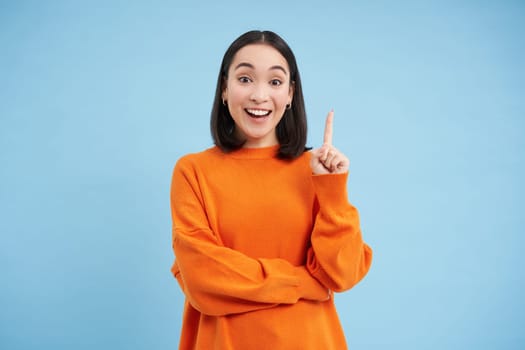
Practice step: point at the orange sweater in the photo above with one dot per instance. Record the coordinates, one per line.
(253, 236)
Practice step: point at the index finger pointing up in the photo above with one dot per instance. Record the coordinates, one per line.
(328, 128)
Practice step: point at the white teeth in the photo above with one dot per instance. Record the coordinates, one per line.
(258, 112)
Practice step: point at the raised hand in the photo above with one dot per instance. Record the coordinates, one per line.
(327, 159)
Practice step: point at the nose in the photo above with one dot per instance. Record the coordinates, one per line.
(259, 94)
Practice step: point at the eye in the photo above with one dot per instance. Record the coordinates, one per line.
(275, 82)
(244, 80)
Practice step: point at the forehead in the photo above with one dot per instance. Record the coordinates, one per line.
(260, 56)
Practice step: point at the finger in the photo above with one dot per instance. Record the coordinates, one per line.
(337, 163)
(323, 153)
(340, 164)
(330, 162)
(328, 128)
(330, 155)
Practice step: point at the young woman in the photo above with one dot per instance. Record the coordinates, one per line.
(263, 232)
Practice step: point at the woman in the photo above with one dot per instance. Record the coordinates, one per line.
(262, 228)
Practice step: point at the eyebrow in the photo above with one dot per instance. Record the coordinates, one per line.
(249, 65)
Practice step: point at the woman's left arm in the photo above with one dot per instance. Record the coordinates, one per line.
(338, 258)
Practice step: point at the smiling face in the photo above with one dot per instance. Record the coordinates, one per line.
(257, 90)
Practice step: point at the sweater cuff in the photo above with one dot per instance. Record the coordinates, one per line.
(331, 188)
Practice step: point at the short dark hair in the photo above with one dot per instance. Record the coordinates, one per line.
(291, 130)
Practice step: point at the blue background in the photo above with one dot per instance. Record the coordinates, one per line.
(99, 99)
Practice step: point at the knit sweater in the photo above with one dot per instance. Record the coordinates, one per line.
(255, 237)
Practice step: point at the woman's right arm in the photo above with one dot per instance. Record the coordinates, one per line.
(218, 280)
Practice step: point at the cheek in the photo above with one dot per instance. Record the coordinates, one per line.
(282, 99)
(236, 96)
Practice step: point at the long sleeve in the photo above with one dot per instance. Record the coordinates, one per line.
(338, 257)
(218, 280)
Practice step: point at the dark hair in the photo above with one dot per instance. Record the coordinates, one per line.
(291, 130)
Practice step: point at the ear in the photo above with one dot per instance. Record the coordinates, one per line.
(291, 91)
(224, 94)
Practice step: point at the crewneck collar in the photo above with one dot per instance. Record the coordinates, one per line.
(255, 153)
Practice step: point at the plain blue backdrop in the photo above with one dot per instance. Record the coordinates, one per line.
(99, 99)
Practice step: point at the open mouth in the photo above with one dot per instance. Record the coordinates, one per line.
(258, 113)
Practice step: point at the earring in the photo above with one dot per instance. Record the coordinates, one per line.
(224, 102)
(288, 106)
